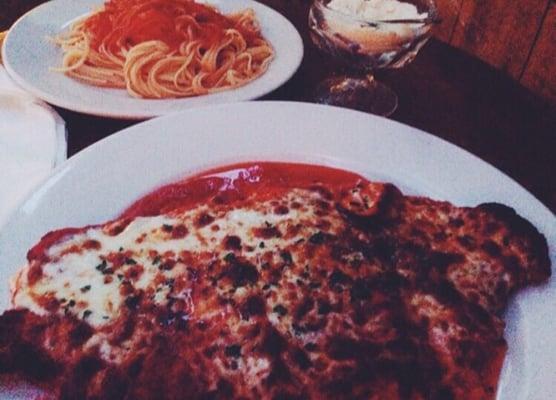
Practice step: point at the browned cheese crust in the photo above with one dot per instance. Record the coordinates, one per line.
(385, 297)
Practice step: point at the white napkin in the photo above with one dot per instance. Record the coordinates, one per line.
(32, 142)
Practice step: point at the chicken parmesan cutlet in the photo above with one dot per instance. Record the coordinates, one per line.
(273, 281)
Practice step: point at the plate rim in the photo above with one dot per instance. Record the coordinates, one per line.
(296, 54)
(424, 135)
(286, 103)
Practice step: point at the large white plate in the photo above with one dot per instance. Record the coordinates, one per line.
(98, 183)
(28, 55)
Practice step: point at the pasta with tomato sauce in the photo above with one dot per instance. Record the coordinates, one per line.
(165, 48)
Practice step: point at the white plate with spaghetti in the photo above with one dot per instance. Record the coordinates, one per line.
(31, 57)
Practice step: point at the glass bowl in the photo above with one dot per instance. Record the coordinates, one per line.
(366, 35)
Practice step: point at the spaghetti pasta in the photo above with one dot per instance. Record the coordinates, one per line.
(165, 48)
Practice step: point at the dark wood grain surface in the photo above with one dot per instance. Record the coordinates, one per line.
(444, 91)
(449, 13)
(501, 33)
(540, 72)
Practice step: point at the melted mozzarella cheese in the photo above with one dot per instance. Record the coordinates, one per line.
(77, 281)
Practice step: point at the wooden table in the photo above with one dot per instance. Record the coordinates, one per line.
(444, 92)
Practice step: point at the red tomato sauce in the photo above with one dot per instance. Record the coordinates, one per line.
(130, 22)
(233, 183)
(223, 185)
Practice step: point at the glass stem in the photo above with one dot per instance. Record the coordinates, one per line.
(370, 78)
